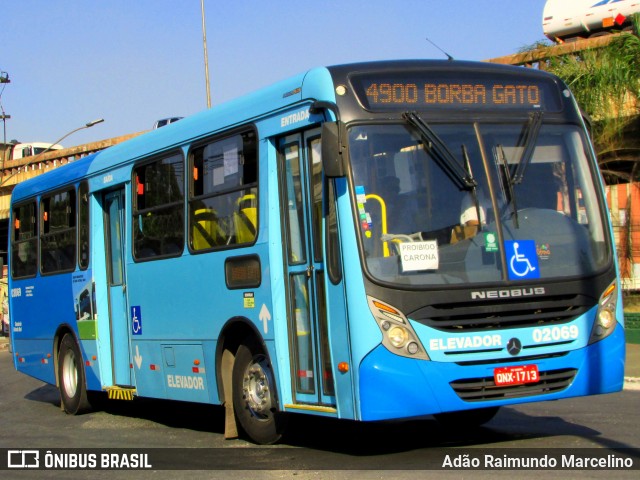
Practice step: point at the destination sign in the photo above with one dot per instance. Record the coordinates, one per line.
(444, 90)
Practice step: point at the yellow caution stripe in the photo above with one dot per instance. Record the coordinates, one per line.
(120, 393)
(311, 408)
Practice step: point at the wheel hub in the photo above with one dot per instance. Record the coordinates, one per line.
(69, 373)
(255, 387)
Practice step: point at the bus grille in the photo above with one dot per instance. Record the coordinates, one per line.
(483, 389)
(499, 314)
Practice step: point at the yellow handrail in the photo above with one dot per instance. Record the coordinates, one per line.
(383, 214)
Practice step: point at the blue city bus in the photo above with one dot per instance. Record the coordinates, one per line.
(372, 241)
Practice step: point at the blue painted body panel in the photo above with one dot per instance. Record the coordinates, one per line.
(181, 318)
(415, 388)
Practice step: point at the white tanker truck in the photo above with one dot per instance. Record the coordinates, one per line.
(566, 20)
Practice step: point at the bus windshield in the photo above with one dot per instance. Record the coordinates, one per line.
(476, 202)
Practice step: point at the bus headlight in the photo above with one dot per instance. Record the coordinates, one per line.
(398, 335)
(605, 321)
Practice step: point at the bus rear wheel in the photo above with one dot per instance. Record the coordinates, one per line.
(73, 391)
(254, 395)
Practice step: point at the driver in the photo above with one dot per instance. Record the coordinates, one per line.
(469, 212)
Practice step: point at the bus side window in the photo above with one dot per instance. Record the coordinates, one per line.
(223, 207)
(24, 248)
(158, 218)
(83, 226)
(58, 240)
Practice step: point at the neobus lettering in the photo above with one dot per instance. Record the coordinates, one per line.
(510, 293)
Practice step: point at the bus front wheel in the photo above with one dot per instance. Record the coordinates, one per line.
(254, 395)
(73, 392)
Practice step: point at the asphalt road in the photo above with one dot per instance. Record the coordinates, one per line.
(30, 418)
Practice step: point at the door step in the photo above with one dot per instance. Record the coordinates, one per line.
(311, 408)
(120, 393)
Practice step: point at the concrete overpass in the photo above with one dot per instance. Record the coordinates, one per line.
(16, 171)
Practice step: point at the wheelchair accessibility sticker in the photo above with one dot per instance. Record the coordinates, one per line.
(136, 320)
(522, 259)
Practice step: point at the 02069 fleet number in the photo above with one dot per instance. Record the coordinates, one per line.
(555, 334)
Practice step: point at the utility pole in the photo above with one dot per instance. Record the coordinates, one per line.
(206, 56)
(4, 78)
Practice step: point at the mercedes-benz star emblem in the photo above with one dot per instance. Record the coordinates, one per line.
(514, 346)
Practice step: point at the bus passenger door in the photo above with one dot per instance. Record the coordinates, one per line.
(302, 208)
(114, 213)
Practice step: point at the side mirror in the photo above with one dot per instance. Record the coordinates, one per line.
(334, 153)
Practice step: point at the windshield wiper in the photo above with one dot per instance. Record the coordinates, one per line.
(528, 137)
(499, 152)
(440, 152)
(474, 189)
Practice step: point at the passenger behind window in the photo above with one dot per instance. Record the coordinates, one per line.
(469, 222)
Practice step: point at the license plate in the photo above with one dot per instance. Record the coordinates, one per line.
(517, 375)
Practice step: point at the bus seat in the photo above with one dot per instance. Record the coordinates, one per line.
(246, 219)
(206, 231)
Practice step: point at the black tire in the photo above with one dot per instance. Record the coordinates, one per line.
(73, 390)
(467, 418)
(254, 398)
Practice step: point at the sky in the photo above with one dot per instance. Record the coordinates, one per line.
(132, 62)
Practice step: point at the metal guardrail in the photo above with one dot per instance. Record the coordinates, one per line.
(632, 327)
(541, 54)
(632, 321)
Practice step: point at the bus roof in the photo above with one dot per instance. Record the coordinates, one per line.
(200, 125)
(57, 177)
(317, 83)
(237, 112)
